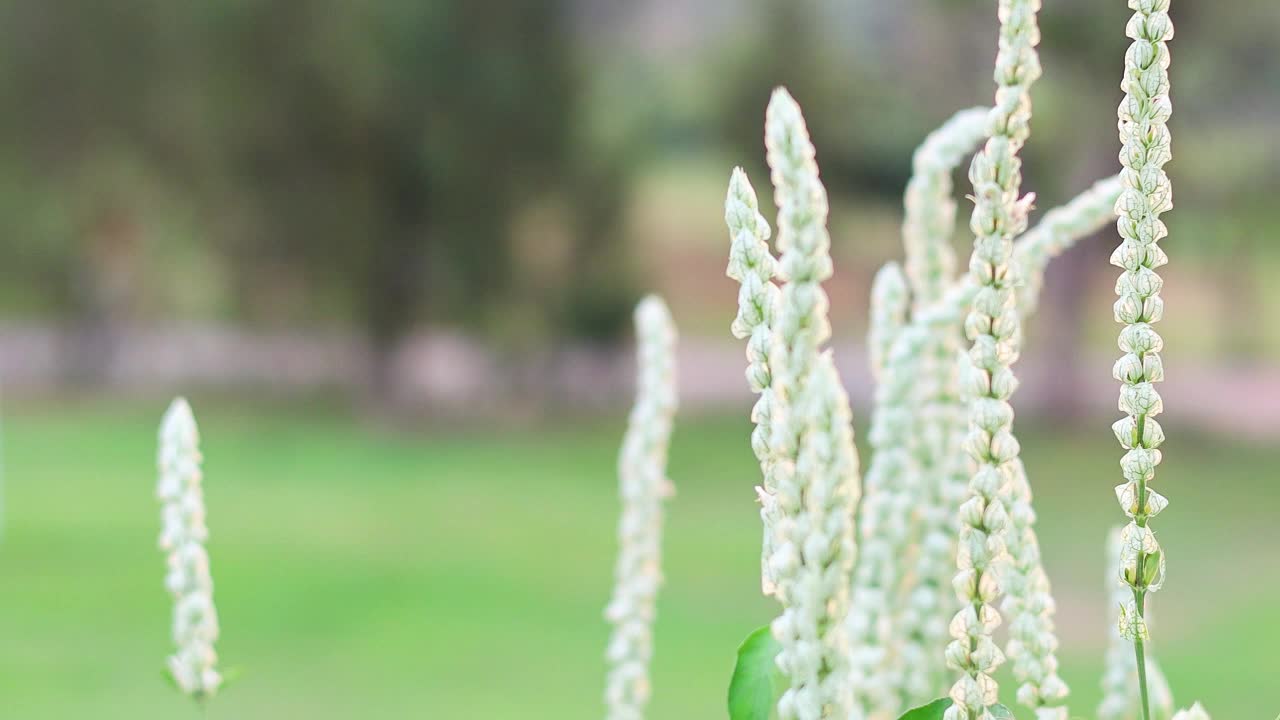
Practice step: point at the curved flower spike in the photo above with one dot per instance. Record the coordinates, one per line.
(930, 208)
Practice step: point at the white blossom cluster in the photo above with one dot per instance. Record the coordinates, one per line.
(1120, 698)
(804, 434)
(182, 537)
(1144, 135)
(754, 267)
(643, 485)
(896, 630)
(993, 325)
(947, 496)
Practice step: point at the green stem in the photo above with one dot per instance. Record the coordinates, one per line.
(1139, 649)
(1140, 595)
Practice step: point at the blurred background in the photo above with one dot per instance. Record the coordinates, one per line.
(390, 250)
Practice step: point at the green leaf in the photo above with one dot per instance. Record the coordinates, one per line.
(757, 682)
(933, 711)
(936, 709)
(168, 679)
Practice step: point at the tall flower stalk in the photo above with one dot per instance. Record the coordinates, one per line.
(816, 482)
(754, 267)
(999, 215)
(643, 485)
(183, 534)
(1144, 134)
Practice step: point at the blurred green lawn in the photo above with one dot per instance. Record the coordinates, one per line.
(364, 572)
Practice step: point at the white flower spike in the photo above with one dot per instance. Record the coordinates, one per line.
(182, 536)
(816, 471)
(754, 267)
(999, 215)
(643, 485)
(1146, 195)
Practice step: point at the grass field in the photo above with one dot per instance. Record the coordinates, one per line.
(364, 572)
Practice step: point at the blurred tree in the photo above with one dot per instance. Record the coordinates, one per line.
(356, 161)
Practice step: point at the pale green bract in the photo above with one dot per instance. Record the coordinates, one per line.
(642, 486)
(1119, 681)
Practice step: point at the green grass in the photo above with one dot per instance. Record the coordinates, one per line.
(373, 573)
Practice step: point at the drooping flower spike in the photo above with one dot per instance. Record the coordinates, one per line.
(929, 204)
(1057, 231)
